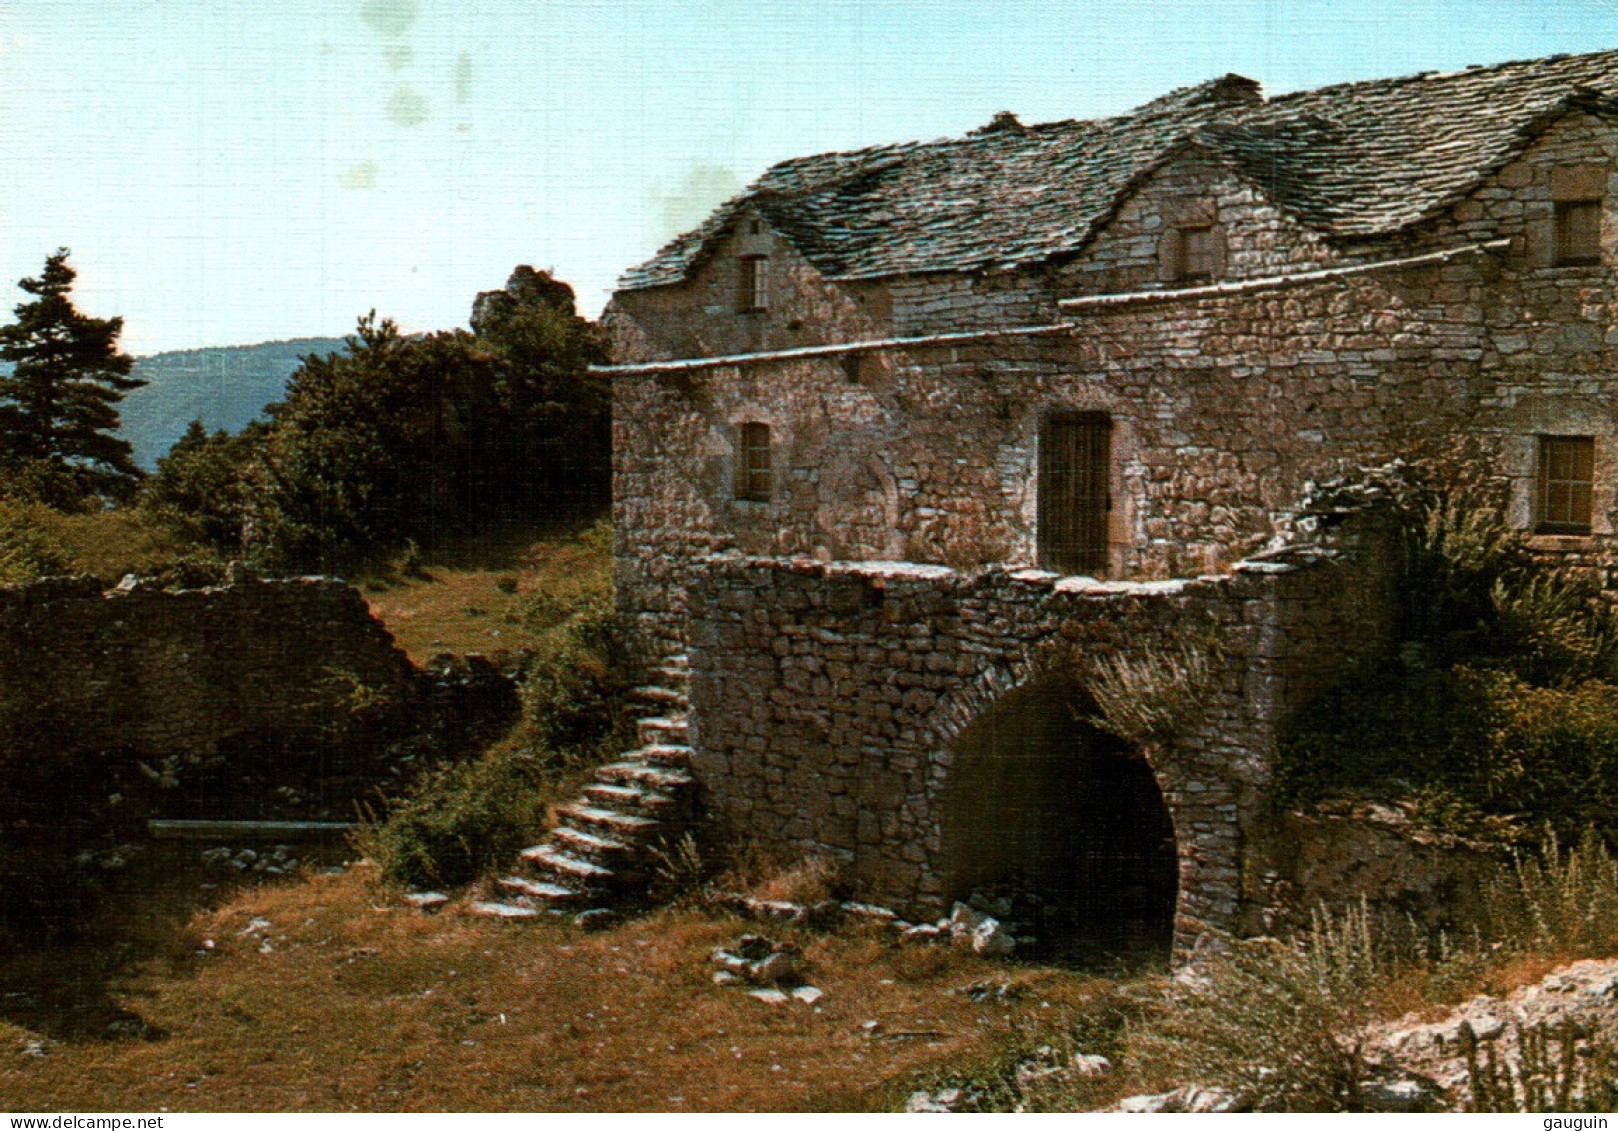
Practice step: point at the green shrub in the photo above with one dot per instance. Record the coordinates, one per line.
(1273, 1023)
(460, 820)
(27, 550)
(463, 819)
(1556, 902)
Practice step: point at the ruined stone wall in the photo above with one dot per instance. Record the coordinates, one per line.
(828, 699)
(159, 672)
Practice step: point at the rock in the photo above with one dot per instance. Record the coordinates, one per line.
(777, 968)
(870, 911)
(753, 947)
(774, 997)
(726, 978)
(1182, 1100)
(924, 933)
(1399, 1095)
(1090, 1065)
(595, 919)
(807, 994)
(501, 910)
(962, 921)
(426, 900)
(992, 940)
(946, 1101)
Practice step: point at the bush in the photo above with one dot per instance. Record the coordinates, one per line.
(460, 820)
(1273, 1023)
(463, 819)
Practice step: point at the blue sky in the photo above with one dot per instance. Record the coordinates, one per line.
(229, 172)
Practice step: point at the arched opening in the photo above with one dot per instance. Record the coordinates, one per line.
(1062, 826)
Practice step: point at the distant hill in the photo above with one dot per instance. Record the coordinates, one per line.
(224, 387)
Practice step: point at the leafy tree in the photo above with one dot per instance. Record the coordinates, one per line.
(58, 414)
(422, 438)
(201, 486)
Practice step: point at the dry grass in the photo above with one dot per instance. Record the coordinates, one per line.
(483, 602)
(346, 1001)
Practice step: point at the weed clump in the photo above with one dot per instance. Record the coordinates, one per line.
(1498, 711)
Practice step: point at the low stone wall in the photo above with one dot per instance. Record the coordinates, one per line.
(830, 699)
(157, 672)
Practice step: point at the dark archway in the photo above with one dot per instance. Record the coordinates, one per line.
(1066, 823)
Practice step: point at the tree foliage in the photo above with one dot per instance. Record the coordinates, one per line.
(201, 487)
(58, 405)
(424, 438)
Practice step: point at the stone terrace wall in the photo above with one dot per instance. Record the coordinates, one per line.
(163, 672)
(828, 698)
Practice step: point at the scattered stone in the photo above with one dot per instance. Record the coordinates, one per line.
(758, 961)
(595, 919)
(991, 991)
(1399, 1096)
(34, 1049)
(1180, 1101)
(943, 1101)
(962, 921)
(870, 911)
(924, 933)
(774, 997)
(426, 900)
(257, 924)
(991, 939)
(808, 994)
(778, 968)
(726, 978)
(501, 910)
(1091, 1066)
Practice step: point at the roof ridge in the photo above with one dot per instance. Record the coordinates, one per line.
(1471, 70)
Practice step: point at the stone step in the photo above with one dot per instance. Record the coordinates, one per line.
(544, 894)
(632, 799)
(675, 677)
(672, 755)
(607, 850)
(667, 698)
(550, 860)
(670, 781)
(662, 729)
(629, 826)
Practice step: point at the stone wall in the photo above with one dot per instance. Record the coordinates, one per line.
(156, 672)
(829, 700)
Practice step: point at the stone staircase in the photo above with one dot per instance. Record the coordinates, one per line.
(601, 852)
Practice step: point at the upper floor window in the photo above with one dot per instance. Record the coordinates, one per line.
(1578, 232)
(1577, 191)
(1192, 248)
(1202, 253)
(755, 284)
(753, 478)
(1565, 484)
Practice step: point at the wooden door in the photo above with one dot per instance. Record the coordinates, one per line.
(1074, 463)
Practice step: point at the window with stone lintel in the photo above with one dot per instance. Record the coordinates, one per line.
(753, 474)
(1565, 485)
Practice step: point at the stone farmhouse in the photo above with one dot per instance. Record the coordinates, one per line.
(903, 435)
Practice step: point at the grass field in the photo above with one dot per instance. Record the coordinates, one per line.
(325, 994)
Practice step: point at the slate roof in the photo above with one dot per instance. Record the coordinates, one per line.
(1352, 160)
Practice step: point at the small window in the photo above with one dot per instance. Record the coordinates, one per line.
(753, 463)
(1201, 250)
(1565, 486)
(755, 284)
(1578, 232)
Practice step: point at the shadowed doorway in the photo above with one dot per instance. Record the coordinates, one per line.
(1060, 825)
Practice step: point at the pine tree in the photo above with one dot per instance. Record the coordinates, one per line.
(58, 414)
